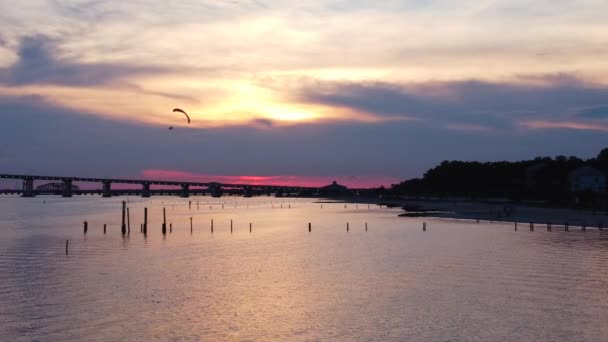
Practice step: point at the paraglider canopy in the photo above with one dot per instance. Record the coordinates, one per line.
(183, 112)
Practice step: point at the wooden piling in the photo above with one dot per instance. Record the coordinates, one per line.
(191, 225)
(141, 228)
(347, 227)
(104, 229)
(531, 226)
(86, 226)
(230, 226)
(66, 246)
(566, 226)
(309, 227)
(145, 226)
(164, 226)
(515, 225)
(170, 227)
(365, 226)
(424, 226)
(211, 226)
(123, 227)
(250, 227)
(189, 205)
(549, 226)
(197, 206)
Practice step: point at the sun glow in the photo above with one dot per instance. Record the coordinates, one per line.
(286, 115)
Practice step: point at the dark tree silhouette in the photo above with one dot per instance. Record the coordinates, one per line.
(543, 178)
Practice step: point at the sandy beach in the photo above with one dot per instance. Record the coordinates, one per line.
(505, 212)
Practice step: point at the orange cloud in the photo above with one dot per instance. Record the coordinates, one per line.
(540, 124)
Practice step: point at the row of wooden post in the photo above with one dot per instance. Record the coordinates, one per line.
(566, 226)
(126, 222)
(126, 227)
(347, 226)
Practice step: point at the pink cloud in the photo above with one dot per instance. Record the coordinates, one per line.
(540, 124)
(293, 180)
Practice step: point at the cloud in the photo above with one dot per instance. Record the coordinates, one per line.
(94, 146)
(262, 122)
(594, 113)
(377, 98)
(469, 128)
(39, 63)
(474, 104)
(583, 126)
(39, 137)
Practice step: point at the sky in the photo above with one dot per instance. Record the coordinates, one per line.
(363, 92)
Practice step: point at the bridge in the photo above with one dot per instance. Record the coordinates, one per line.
(185, 189)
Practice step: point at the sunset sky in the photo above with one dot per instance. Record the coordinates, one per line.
(364, 92)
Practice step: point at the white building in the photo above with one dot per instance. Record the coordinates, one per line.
(586, 178)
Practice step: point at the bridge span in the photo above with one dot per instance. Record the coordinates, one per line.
(185, 189)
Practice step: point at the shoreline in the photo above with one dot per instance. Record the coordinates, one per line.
(506, 212)
(496, 210)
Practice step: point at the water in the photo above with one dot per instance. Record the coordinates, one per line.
(459, 281)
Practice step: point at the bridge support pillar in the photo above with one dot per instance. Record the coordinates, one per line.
(146, 190)
(248, 192)
(216, 191)
(107, 189)
(28, 187)
(185, 190)
(67, 188)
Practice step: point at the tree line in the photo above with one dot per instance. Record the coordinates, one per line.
(542, 178)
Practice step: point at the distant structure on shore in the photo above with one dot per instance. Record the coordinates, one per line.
(587, 178)
(334, 189)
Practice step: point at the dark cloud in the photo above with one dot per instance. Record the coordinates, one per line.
(262, 122)
(594, 113)
(38, 63)
(472, 102)
(377, 98)
(39, 137)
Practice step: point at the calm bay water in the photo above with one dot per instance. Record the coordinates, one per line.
(459, 281)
